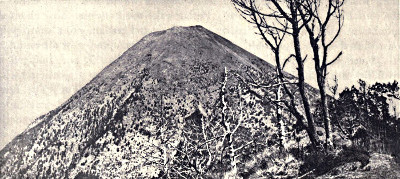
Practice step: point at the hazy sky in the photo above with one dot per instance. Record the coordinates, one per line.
(49, 50)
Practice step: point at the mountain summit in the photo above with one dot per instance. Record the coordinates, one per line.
(112, 126)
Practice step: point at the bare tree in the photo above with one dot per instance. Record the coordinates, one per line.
(275, 20)
(317, 30)
(216, 138)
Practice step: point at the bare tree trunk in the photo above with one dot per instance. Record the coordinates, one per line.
(292, 106)
(321, 80)
(301, 85)
(232, 156)
(282, 132)
(209, 160)
(326, 117)
(228, 133)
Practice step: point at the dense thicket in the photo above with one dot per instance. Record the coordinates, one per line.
(367, 115)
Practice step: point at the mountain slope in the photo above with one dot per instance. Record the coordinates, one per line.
(110, 126)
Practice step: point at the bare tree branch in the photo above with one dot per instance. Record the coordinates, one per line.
(334, 60)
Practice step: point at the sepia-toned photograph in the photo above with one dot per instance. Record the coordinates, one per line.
(230, 89)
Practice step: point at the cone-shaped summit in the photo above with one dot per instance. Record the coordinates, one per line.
(117, 124)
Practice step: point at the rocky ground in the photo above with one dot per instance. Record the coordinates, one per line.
(380, 166)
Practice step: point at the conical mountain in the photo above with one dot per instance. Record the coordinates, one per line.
(109, 126)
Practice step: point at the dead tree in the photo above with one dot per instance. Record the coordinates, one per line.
(230, 125)
(317, 30)
(275, 20)
(210, 138)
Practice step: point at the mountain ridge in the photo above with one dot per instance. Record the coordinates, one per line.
(166, 73)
